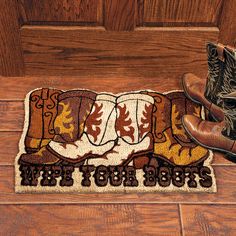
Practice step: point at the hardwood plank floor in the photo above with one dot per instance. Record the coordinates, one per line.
(131, 219)
(209, 220)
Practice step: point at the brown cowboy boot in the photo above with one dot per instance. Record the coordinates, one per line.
(73, 110)
(210, 134)
(42, 113)
(222, 135)
(206, 92)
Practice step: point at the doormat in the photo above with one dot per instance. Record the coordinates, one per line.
(82, 141)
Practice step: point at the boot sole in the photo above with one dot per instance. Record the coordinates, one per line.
(232, 155)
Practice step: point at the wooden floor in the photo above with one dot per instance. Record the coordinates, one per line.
(104, 214)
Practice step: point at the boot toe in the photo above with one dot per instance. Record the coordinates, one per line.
(42, 157)
(24, 159)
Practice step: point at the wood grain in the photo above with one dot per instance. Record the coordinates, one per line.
(140, 12)
(119, 15)
(114, 84)
(182, 12)
(87, 11)
(82, 51)
(90, 220)
(11, 58)
(9, 142)
(13, 118)
(209, 220)
(225, 176)
(227, 23)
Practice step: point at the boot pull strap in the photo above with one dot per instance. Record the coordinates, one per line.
(220, 50)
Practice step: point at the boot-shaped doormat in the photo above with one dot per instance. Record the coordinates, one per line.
(83, 141)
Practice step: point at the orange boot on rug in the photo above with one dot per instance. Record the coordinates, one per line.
(171, 143)
(73, 110)
(42, 113)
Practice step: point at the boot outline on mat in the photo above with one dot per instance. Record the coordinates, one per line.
(73, 109)
(42, 113)
(178, 149)
(98, 136)
(133, 129)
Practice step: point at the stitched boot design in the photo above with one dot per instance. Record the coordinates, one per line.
(73, 109)
(42, 113)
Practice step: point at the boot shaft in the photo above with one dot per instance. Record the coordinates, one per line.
(216, 67)
(100, 124)
(228, 94)
(229, 81)
(73, 110)
(229, 108)
(134, 116)
(42, 113)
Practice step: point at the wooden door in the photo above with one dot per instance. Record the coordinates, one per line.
(137, 38)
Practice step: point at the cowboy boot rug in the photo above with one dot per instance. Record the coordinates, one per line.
(82, 141)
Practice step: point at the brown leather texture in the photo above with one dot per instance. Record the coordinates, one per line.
(208, 134)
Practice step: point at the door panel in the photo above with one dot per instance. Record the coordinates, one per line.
(200, 12)
(66, 11)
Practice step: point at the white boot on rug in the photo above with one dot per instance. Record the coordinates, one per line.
(133, 127)
(99, 132)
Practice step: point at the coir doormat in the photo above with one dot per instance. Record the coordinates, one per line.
(82, 141)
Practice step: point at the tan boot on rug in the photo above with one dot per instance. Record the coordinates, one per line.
(133, 127)
(73, 110)
(171, 143)
(42, 113)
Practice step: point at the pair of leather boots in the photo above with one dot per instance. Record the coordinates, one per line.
(218, 95)
(96, 127)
